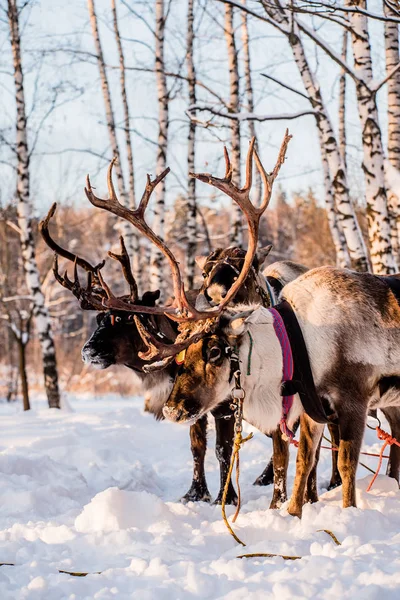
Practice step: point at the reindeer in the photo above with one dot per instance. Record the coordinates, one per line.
(117, 340)
(246, 284)
(350, 324)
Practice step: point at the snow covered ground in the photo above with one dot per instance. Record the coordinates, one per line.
(97, 488)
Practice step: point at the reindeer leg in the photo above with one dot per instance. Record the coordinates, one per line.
(267, 476)
(351, 427)
(312, 488)
(224, 427)
(392, 414)
(198, 443)
(310, 435)
(336, 480)
(281, 461)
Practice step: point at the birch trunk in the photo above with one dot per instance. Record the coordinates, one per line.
(342, 254)
(133, 238)
(236, 236)
(126, 229)
(250, 95)
(22, 373)
(344, 207)
(342, 104)
(191, 198)
(373, 162)
(40, 312)
(156, 260)
(393, 87)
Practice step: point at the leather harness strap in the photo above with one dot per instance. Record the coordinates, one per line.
(302, 381)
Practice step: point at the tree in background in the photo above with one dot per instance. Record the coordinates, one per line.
(40, 312)
(191, 161)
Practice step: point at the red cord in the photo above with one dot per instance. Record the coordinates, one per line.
(389, 441)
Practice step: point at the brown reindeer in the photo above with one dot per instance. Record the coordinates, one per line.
(246, 284)
(351, 327)
(117, 340)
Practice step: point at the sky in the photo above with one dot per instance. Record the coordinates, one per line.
(71, 140)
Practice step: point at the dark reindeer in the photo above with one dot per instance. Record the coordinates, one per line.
(117, 340)
(246, 284)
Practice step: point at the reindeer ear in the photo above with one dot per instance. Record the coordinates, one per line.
(262, 254)
(201, 261)
(237, 324)
(150, 298)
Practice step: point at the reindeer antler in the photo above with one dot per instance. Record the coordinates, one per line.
(183, 311)
(88, 299)
(125, 263)
(44, 231)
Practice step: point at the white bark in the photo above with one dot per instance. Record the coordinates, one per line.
(328, 142)
(191, 197)
(40, 313)
(132, 241)
(373, 162)
(342, 104)
(236, 236)
(342, 254)
(250, 96)
(126, 229)
(156, 261)
(393, 88)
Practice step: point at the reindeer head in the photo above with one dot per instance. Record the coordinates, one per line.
(116, 340)
(204, 380)
(221, 269)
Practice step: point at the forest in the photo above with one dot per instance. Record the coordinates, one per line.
(133, 88)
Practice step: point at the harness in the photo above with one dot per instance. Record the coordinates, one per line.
(297, 377)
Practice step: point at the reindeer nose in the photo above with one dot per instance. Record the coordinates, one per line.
(173, 413)
(215, 293)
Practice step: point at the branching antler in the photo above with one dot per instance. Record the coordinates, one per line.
(125, 263)
(183, 310)
(88, 300)
(44, 231)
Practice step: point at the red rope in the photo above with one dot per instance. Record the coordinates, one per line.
(389, 441)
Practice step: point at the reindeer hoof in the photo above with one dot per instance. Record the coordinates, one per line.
(295, 511)
(266, 477)
(334, 484)
(231, 497)
(277, 502)
(196, 494)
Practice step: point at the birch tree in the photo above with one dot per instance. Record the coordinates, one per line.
(191, 193)
(342, 104)
(249, 93)
(40, 312)
(393, 147)
(373, 162)
(111, 127)
(234, 107)
(342, 254)
(133, 238)
(156, 260)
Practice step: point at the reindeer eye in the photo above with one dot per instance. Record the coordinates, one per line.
(214, 354)
(205, 275)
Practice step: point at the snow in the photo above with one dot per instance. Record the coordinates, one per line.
(97, 488)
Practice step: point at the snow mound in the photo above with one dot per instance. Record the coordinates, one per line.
(114, 509)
